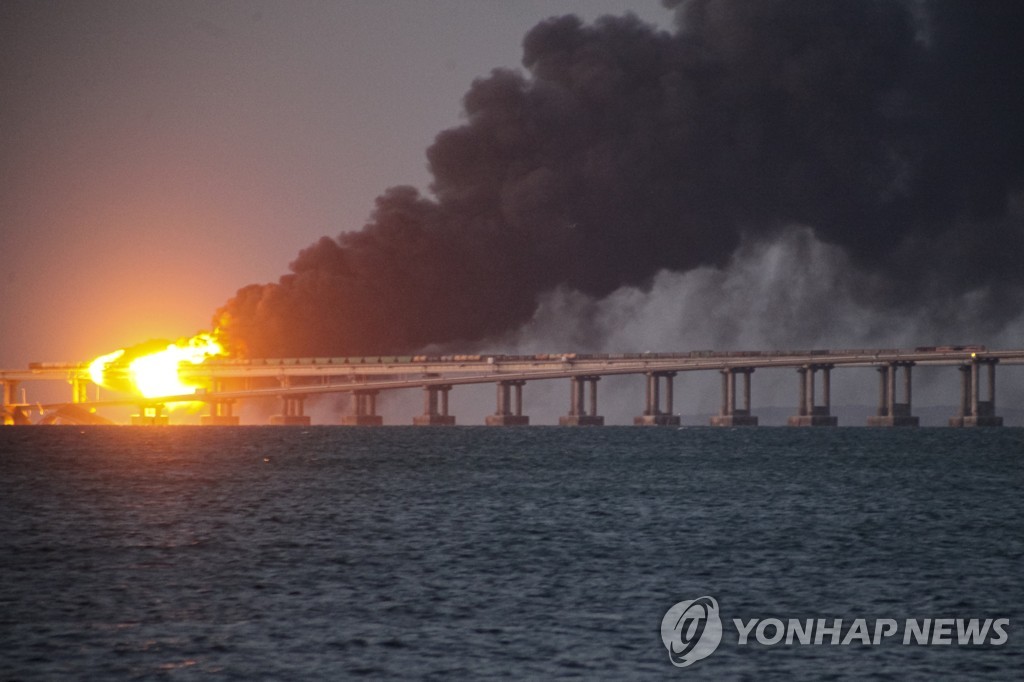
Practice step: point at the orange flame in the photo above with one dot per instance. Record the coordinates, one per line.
(154, 374)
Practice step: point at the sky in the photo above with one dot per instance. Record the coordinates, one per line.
(157, 156)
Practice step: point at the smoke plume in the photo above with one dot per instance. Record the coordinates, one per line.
(889, 129)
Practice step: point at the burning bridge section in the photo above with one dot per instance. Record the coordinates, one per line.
(196, 375)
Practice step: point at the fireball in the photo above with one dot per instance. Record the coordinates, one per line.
(151, 369)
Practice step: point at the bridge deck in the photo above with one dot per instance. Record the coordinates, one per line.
(350, 374)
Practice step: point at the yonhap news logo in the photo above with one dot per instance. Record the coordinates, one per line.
(692, 630)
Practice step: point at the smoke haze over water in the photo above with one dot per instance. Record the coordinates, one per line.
(795, 171)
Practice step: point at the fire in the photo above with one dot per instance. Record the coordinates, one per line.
(154, 373)
(98, 366)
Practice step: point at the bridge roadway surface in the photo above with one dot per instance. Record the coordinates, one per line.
(339, 376)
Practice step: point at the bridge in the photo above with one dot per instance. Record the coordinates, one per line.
(294, 380)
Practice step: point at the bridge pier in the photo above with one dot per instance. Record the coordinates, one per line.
(293, 412)
(729, 414)
(364, 409)
(435, 407)
(220, 410)
(973, 410)
(509, 412)
(220, 414)
(890, 412)
(811, 414)
(13, 414)
(80, 390)
(653, 414)
(150, 415)
(579, 414)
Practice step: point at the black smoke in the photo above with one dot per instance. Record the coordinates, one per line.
(893, 130)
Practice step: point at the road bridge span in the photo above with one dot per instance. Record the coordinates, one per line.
(294, 380)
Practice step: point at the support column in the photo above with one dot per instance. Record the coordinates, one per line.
(150, 415)
(220, 414)
(891, 412)
(975, 389)
(509, 411)
(653, 415)
(811, 414)
(435, 407)
(364, 409)
(220, 410)
(826, 389)
(294, 411)
(730, 415)
(883, 391)
(10, 392)
(907, 388)
(964, 409)
(80, 390)
(809, 408)
(746, 390)
(802, 410)
(579, 415)
(973, 410)
(12, 413)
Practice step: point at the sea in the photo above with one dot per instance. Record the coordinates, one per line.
(521, 553)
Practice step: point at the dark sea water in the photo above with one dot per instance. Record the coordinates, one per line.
(284, 553)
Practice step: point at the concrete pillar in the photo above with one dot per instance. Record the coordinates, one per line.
(503, 398)
(965, 397)
(435, 407)
(724, 410)
(509, 411)
(803, 391)
(292, 412)
(826, 388)
(992, 383)
(746, 389)
(576, 396)
(653, 414)
(891, 389)
(10, 392)
(729, 415)
(579, 414)
(10, 415)
(891, 412)
(883, 391)
(730, 390)
(150, 415)
(809, 408)
(221, 411)
(811, 414)
(974, 389)
(965, 390)
(80, 390)
(220, 414)
(907, 388)
(364, 409)
(980, 412)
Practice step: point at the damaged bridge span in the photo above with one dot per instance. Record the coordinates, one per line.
(294, 380)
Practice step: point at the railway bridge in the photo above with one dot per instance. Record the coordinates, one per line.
(294, 380)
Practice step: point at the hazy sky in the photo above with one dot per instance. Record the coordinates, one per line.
(157, 156)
